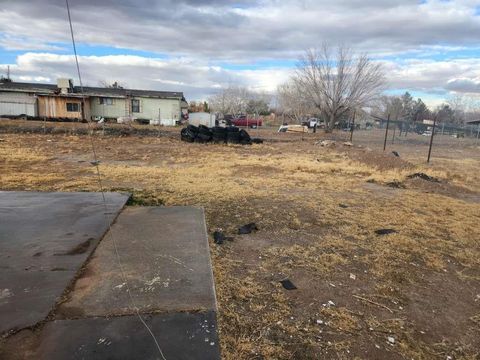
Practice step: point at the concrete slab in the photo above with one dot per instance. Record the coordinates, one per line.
(44, 240)
(181, 336)
(165, 255)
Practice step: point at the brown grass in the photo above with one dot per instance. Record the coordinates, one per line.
(293, 191)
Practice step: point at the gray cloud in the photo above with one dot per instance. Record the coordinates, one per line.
(198, 34)
(469, 86)
(241, 30)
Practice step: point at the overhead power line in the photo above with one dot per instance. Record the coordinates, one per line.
(99, 179)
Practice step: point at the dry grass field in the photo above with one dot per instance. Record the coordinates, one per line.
(412, 294)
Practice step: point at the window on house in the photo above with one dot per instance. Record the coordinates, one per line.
(135, 106)
(73, 107)
(105, 101)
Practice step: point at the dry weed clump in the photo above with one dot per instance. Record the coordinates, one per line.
(340, 319)
(319, 258)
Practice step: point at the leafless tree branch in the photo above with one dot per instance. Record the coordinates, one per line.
(337, 83)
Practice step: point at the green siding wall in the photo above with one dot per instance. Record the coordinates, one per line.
(109, 111)
(150, 108)
(169, 109)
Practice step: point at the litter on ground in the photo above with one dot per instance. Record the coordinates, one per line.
(247, 229)
(288, 285)
(385, 231)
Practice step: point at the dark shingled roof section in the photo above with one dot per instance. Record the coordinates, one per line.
(89, 91)
(27, 86)
(132, 92)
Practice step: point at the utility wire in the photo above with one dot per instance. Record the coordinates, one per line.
(99, 179)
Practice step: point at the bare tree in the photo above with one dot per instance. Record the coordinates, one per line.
(458, 104)
(291, 103)
(472, 108)
(258, 103)
(232, 100)
(444, 113)
(239, 100)
(114, 85)
(389, 105)
(337, 84)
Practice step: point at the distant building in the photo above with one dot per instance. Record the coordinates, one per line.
(67, 101)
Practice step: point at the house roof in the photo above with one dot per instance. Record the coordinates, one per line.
(88, 90)
(92, 91)
(28, 87)
(474, 122)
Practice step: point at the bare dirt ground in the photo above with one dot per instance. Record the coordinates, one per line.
(411, 294)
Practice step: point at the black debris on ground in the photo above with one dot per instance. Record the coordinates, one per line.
(187, 135)
(423, 176)
(288, 285)
(245, 138)
(217, 135)
(395, 184)
(247, 229)
(396, 153)
(204, 134)
(219, 237)
(385, 231)
(343, 206)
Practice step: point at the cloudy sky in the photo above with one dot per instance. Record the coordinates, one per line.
(431, 48)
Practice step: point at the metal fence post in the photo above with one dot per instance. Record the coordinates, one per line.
(394, 130)
(386, 133)
(353, 126)
(159, 121)
(431, 139)
(258, 125)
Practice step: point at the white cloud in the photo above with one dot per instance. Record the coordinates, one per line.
(198, 80)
